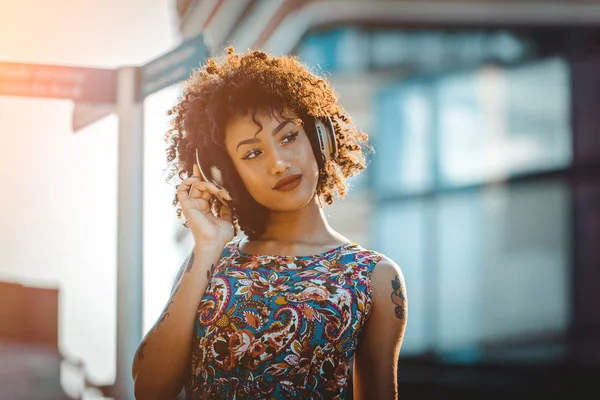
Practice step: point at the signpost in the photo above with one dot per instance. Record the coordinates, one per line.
(158, 74)
(96, 93)
(174, 66)
(58, 82)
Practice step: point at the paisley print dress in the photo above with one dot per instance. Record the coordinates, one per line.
(280, 327)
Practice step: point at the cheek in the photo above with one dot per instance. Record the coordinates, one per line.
(314, 166)
(246, 174)
(306, 154)
(251, 176)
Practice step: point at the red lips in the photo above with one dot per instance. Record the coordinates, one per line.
(287, 179)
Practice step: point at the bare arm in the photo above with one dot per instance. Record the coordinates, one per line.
(376, 358)
(161, 361)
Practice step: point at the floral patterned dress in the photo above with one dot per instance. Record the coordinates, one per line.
(280, 327)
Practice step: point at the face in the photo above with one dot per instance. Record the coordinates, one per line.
(281, 150)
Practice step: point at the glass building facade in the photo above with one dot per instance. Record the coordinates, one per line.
(474, 139)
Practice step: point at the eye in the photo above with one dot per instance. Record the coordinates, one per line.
(290, 138)
(251, 155)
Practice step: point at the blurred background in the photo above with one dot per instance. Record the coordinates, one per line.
(484, 186)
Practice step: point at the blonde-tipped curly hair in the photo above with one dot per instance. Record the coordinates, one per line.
(250, 82)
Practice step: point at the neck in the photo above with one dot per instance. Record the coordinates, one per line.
(308, 225)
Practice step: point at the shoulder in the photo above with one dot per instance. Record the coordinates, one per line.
(386, 282)
(387, 267)
(389, 288)
(381, 268)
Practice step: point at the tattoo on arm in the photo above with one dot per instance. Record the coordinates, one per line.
(398, 297)
(167, 307)
(209, 272)
(161, 319)
(190, 263)
(175, 290)
(165, 314)
(140, 351)
(185, 268)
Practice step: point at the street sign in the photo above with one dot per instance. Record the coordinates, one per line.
(94, 90)
(85, 114)
(174, 66)
(58, 82)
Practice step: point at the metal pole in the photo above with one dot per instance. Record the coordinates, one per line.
(129, 228)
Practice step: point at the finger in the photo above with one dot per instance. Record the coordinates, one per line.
(197, 192)
(187, 183)
(205, 187)
(196, 171)
(193, 202)
(183, 189)
(222, 192)
(225, 195)
(222, 200)
(205, 195)
(186, 186)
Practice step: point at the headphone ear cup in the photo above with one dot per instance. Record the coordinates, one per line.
(326, 138)
(333, 150)
(215, 174)
(211, 174)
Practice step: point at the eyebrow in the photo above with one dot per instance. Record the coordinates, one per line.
(281, 125)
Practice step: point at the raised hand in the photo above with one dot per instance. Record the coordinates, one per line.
(194, 195)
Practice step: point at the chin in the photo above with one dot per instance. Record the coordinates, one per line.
(290, 205)
(289, 201)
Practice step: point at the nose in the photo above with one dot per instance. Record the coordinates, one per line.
(279, 165)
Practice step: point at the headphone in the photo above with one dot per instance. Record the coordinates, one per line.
(325, 135)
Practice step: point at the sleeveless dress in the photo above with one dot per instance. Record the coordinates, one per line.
(280, 327)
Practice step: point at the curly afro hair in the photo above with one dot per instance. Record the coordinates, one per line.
(250, 82)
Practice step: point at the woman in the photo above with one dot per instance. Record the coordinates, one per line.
(288, 310)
